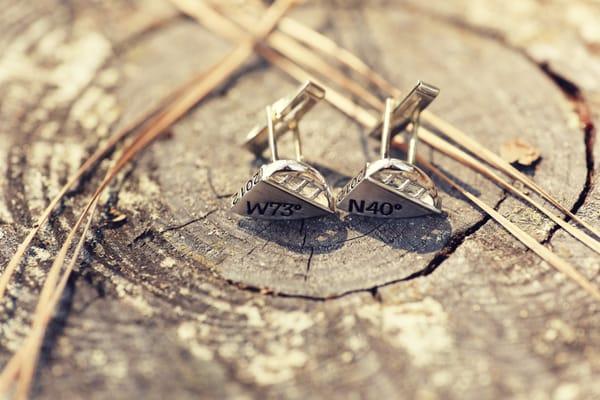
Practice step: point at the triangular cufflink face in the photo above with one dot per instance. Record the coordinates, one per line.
(390, 188)
(284, 189)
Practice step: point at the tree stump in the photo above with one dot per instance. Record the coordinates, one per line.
(185, 300)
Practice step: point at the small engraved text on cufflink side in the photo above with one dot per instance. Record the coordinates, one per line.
(250, 183)
(352, 184)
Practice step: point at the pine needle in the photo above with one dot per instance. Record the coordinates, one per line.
(452, 151)
(496, 161)
(318, 41)
(542, 251)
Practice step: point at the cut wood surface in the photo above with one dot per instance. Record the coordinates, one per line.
(183, 299)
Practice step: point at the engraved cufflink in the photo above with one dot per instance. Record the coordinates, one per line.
(391, 188)
(284, 189)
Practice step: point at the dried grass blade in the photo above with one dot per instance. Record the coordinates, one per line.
(452, 151)
(496, 161)
(334, 97)
(220, 25)
(318, 41)
(26, 357)
(305, 57)
(45, 308)
(543, 252)
(13, 367)
(285, 45)
(210, 19)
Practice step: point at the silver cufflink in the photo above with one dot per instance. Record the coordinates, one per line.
(391, 188)
(284, 189)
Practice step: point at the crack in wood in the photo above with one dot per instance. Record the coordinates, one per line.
(308, 263)
(209, 180)
(151, 233)
(572, 91)
(192, 221)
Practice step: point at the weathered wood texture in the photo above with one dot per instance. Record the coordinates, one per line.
(185, 300)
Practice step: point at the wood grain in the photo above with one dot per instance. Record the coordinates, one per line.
(185, 300)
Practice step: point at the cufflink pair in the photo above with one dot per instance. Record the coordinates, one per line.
(292, 189)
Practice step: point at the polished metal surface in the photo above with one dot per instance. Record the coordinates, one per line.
(284, 189)
(404, 117)
(391, 188)
(286, 113)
